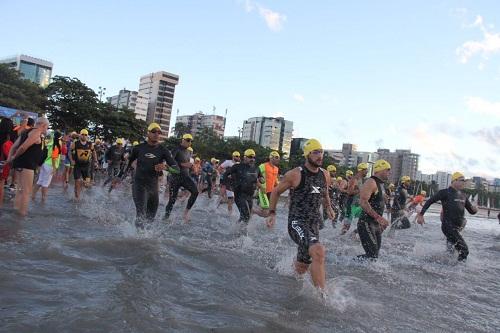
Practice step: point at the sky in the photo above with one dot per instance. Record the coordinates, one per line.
(420, 75)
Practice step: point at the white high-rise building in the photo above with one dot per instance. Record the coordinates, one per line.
(159, 89)
(138, 102)
(274, 133)
(443, 179)
(36, 70)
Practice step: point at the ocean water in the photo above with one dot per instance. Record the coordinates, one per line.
(82, 267)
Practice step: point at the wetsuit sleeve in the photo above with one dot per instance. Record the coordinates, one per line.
(167, 157)
(133, 156)
(469, 207)
(440, 196)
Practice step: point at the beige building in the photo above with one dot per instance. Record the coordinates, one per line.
(159, 89)
(198, 121)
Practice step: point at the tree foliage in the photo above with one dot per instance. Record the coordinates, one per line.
(19, 93)
(71, 104)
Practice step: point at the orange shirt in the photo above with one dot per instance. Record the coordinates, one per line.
(418, 199)
(271, 176)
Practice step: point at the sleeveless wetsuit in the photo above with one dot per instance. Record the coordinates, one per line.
(370, 232)
(304, 216)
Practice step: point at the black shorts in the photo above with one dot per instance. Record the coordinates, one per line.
(81, 172)
(304, 235)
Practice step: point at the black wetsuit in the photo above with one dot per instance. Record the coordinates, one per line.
(182, 179)
(115, 156)
(82, 154)
(370, 232)
(145, 186)
(398, 218)
(244, 183)
(454, 202)
(304, 216)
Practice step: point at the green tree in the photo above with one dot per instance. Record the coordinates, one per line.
(71, 104)
(181, 129)
(111, 123)
(19, 93)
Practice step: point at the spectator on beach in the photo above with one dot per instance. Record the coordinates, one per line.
(7, 135)
(25, 157)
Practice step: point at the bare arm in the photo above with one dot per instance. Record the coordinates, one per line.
(13, 149)
(33, 137)
(327, 204)
(71, 150)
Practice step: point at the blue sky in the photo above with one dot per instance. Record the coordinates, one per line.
(392, 74)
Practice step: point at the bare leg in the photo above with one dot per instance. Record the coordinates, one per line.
(317, 253)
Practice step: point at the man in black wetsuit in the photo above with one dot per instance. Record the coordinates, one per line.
(371, 222)
(399, 220)
(244, 177)
(114, 157)
(310, 190)
(182, 156)
(150, 157)
(453, 201)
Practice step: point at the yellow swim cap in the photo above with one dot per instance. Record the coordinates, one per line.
(331, 168)
(405, 179)
(274, 154)
(119, 141)
(349, 173)
(187, 136)
(153, 126)
(236, 154)
(249, 153)
(457, 175)
(197, 159)
(362, 166)
(135, 143)
(423, 193)
(311, 145)
(339, 178)
(190, 149)
(84, 131)
(381, 165)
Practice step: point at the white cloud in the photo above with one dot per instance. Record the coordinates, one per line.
(489, 45)
(298, 97)
(274, 20)
(482, 106)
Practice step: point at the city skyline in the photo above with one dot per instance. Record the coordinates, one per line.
(385, 75)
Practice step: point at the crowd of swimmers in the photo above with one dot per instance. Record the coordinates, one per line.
(314, 194)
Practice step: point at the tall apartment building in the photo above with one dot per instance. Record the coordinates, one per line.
(36, 70)
(296, 145)
(136, 101)
(198, 121)
(159, 89)
(403, 163)
(274, 133)
(443, 179)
